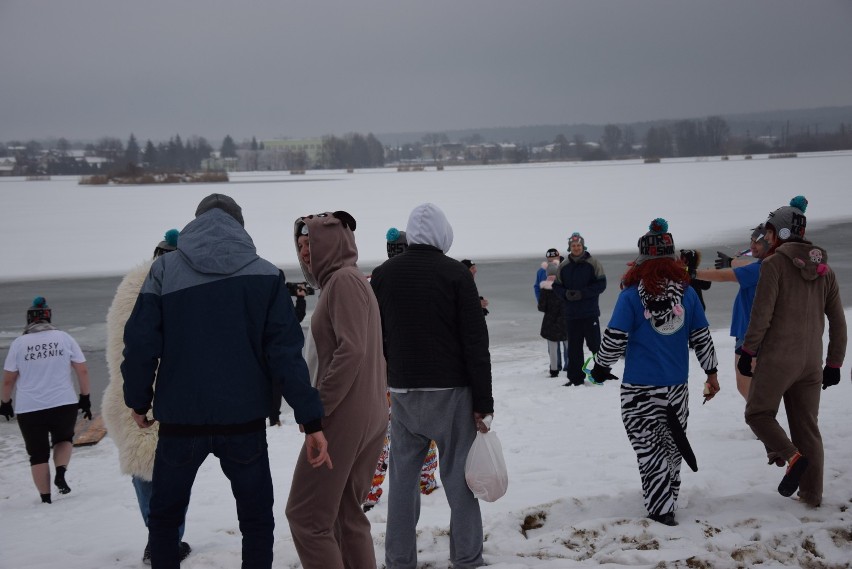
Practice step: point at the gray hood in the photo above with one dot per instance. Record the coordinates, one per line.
(215, 243)
(427, 225)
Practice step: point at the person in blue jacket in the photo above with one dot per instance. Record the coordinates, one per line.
(656, 320)
(745, 273)
(213, 325)
(580, 280)
(551, 256)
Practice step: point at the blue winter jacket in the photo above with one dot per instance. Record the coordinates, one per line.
(584, 274)
(218, 321)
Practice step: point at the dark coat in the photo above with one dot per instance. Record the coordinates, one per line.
(583, 274)
(553, 322)
(434, 329)
(214, 325)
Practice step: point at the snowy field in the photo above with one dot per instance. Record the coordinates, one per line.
(574, 496)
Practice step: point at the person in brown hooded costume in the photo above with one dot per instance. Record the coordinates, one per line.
(329, 527)
(795, 293)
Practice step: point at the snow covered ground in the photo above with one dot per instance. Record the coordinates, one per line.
(574, 485)
(574, 496)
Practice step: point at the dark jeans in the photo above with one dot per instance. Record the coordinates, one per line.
(244, 460)
(579, 330)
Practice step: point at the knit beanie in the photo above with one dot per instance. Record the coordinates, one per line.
(789, 221)
(758, 233)
(223, 202)
(39, 311)
(657, 243)
(169, 243)
(467, 263)
(576, 238)
(551, 254)
(396, 242)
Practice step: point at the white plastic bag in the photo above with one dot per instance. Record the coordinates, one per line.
(485, 468)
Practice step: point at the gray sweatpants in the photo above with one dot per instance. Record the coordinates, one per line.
(418, 417)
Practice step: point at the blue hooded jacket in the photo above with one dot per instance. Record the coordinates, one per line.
(218, 321)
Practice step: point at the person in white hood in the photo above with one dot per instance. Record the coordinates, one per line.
(439, 375)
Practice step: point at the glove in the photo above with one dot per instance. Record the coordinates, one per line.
(85, 406)
(830, 376)
(601, 373)
(573, 295)
(6, 409)
(723, 262)
(744, 364)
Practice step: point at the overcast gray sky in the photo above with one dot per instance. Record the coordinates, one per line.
(83, 69)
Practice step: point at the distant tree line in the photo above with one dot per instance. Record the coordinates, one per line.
(710, 136)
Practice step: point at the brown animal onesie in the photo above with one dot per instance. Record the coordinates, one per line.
(329, 528)
(795, 293)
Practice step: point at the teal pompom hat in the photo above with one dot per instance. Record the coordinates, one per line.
(658, 243)
(789, 221)
(396, 242)
(169, 243)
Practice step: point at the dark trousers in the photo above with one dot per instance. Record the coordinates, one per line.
(244, 460)
(581, 330)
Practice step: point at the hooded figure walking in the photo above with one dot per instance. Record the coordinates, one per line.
(329, 526)
(796, 291)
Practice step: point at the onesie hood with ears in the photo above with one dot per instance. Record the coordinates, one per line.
(332, 243)
(427, 225)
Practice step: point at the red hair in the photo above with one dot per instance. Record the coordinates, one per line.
(654, 273)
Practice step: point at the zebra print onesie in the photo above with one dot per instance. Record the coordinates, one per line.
(655, 333)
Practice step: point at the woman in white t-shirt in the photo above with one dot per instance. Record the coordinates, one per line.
(39, 366)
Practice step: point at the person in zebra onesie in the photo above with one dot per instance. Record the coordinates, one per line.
(656, 320)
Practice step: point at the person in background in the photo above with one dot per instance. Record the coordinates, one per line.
(482, 300)
(744, 273)
(553, 322)
(692, 259)
(579, 284)
(396, 245)
(213, 326)
(550, 256)
(135, 446)
(439, 374)
(38, 366)
(656, 320)
(329, 527)
(796, 292)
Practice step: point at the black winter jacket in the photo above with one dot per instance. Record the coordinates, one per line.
(434, 329)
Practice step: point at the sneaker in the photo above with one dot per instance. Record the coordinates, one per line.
(795, 470)
(667, 519)
(146, 555)
(184, 550)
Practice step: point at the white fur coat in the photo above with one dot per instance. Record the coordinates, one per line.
(135, 446)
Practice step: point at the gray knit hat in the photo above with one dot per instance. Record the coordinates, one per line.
(223, 202)
(789, 220)
(576, 238)
(658, 243)
(396, 242)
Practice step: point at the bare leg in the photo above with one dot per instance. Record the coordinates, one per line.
(62, 453)
(41, 477)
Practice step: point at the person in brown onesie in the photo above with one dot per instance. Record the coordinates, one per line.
(329, 527)
(796, 291)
